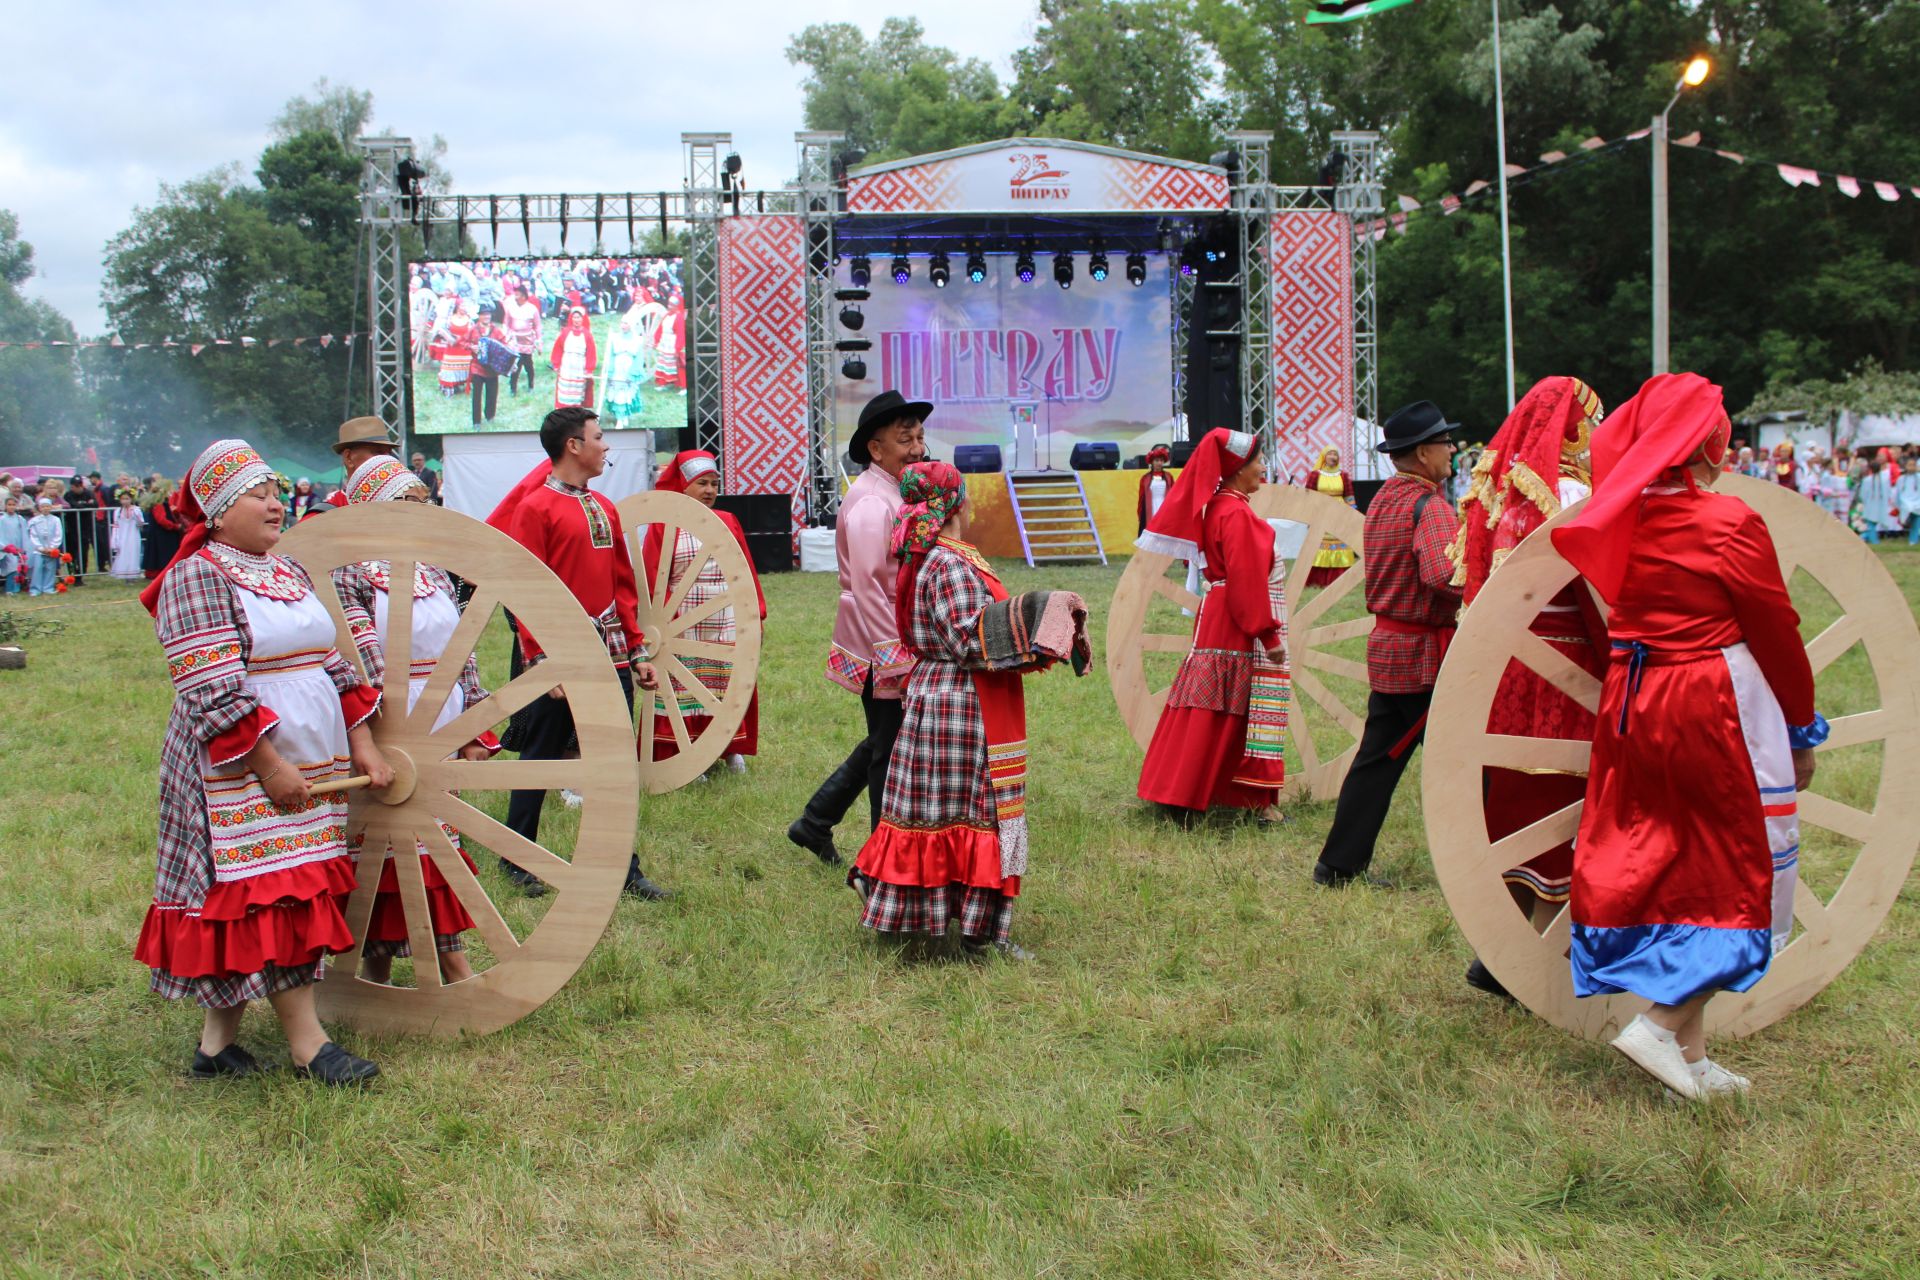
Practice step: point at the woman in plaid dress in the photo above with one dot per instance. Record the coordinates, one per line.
(252, 866)
(937, 853)
(363, 590)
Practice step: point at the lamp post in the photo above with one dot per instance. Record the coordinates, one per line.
(1506, 238)
(1695, 73)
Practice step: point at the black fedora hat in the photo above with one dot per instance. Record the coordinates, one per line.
(1412, 424)
(884, 408)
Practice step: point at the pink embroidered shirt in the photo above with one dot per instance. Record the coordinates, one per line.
(865, 635)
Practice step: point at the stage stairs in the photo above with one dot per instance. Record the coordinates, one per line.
(1050, 509)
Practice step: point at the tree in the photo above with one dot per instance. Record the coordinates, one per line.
(42, 406)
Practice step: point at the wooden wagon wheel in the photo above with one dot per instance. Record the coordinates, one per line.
(1458, 748)
(668, 646)
(428, 777)
(1129, 640)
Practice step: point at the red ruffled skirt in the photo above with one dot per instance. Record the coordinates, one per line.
(1193, 759)
(389, 923)
(282, 920)
(917, 880)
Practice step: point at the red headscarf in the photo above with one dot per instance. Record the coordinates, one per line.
(502, 517)
(1175, 528)
(932, 491)
(687, 466)
(1674, 418)
(1515, 486)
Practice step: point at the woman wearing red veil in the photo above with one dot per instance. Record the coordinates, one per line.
(1536, 465)
(1684, 866)
(670, 347)
(1220, 736)
(695, 473)
(1155, 485)
(574, 360)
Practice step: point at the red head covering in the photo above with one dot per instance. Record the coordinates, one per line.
(687, 466)
(1159, 453)
(224, 470)
(1515, 487)
(502, 517)
(932, 492)
(1175, 528)
(1674, 418)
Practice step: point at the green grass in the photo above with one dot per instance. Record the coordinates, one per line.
(1212, 1068)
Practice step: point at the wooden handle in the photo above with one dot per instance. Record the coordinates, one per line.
(344, 784)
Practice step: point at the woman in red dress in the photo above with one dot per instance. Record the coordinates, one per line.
(1219, 740)
(1155, 485)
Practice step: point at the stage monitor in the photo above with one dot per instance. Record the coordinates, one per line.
(1095, 455)
(496, 345)
(1030, 367)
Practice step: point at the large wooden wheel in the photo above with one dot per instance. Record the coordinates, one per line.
(669, 643)
(525, 971)
(1831, 932)
(1132, 634)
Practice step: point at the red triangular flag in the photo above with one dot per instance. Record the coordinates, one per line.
(1848, 186)
(1886, 191)
(198, 347)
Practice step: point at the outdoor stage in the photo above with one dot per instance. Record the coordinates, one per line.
(1112, 496)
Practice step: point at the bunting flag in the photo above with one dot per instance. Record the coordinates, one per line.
(1334, 11)
(193, 348)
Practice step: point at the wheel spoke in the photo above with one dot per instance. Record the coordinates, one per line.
(508, 843)
(678, 672)
(1305, 682)
(1177, 592)
(1556, 828)
(453, 776)
(1351, 629)
(670, 707)
(413, 899)
(715, 649)
(669, 539)
(486, 917)
(1531, 755)
(1811, 912)
(1851, 731)
(697, 614)
(537, 681)
(453, 659)
(1557, 937)
(1302, 732)
(397, 643)
(1841, 819)
(1151, 642)
(1330, 595)
(644, 701)
(1831, 643)
(1557, 670)
(1332, 664)
(359, 911)
(698, 565)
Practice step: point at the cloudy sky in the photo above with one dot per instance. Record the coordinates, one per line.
(103, 102)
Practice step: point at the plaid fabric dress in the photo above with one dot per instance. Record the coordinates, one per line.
(247, 896)
(936, 852)
(363, 598)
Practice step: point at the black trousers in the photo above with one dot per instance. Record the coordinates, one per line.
(864, 768)
(1367, 793)
(485, 392)
(513, 375)
(549, 729)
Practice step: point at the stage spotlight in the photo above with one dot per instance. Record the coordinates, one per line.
(902, 269)
(1097, 262)
(861, 272)
(851, 318)
(1063, 270)
(938, 271)
(976, 265)
(1189, 258)
(854, 368)
(1136, 269)
(1023, 265)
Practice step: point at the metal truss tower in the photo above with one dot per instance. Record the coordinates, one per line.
(1359, 197)
(818, 201)
(383, 213)
(705, 152)
(1253, 204)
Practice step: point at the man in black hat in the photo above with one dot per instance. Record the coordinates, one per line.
(1414, 603)
(867, 656)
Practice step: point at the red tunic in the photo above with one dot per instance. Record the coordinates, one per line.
(576, 533)
(1196, 756)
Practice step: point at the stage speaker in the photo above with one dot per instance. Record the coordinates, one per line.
(1096, 455)
(767, 519)
(1182, 451)
(1363, 491)
(976, 458)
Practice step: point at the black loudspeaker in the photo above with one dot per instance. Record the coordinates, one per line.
(976, 458)
(1363, 491)
(1096, 455)
(767, 519)
(1182, 451)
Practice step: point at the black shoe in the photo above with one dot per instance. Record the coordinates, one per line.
(334, 1065)
(820, 847)
(1332, 879)
(1481, 978)
(230, 1061)
(640, 887)
(530, 884)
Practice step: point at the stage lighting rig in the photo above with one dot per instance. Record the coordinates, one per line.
(408, 176)
(1136, 269)
(1023, 265)
(938, 270)
(902, 269)
(851, 364)
(853, 368)
(1097, 262)
(860, 271)
(852, 318)
(976, 264)
(1063, 270)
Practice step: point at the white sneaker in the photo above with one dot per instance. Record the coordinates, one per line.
(736, 762)
(571, 798)
(1658, 1056)
(1720, 1080)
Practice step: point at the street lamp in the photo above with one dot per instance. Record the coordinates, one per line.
(1691, 78)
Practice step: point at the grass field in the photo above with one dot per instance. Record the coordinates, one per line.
(1211, 1069)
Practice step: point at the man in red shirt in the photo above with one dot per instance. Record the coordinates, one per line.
(576, 533)
(1414, 603)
